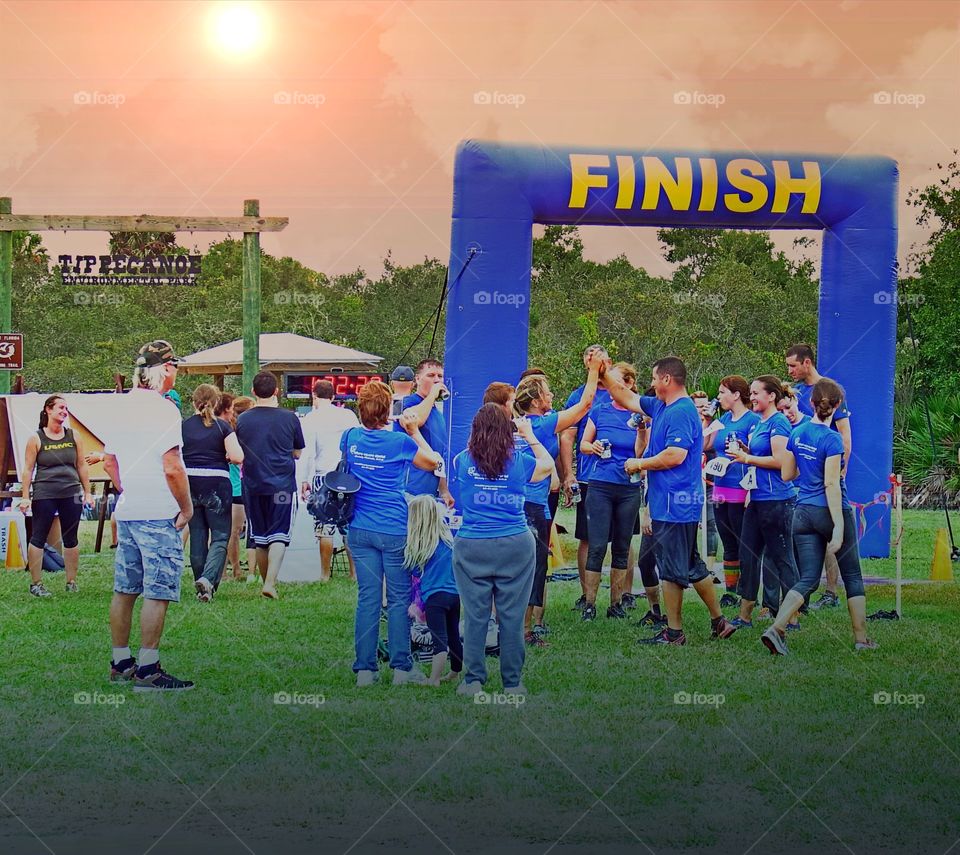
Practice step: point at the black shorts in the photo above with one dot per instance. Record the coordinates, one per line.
(675, 548)
(270, 518)
(580, 530)
(238, 500)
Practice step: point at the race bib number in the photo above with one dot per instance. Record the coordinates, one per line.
(749, 481)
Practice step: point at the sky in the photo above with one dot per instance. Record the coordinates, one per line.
(345, 117)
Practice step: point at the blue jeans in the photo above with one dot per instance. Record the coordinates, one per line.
(377, 556)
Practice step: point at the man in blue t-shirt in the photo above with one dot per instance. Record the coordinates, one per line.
(675, 493)
(433, 425)
(579, 474)
(271, 439)
(803, 371)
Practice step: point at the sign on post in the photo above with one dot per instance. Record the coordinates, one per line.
(11, 351)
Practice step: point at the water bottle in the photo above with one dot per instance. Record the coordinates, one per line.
(575, 493)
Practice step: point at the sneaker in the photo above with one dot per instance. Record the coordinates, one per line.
(765, 615)
(152, 678)
(469, 689)
(616, 611)
(869, 644)
(251, 578)
(793, 627)
(774, 642)
(413, 677)
(519, 691)
(579, 604)
(628, 601)
(654, 620)
(827, 600)
(204, 590)
(729, 601)
(722, 629)
(740, 623)
(39, 591)
(367, 678)
(662, 638)
(123, 671)
(540, 630)
(531, 639)
(72, 588)
(589, 612)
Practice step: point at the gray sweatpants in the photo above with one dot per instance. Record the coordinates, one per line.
(488, 569)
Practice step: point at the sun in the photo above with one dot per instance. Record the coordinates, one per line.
(238, 28)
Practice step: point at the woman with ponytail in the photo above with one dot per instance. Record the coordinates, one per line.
(823, 521)
(55, 467)
(209, 446)
(766, 537)
(429, 555)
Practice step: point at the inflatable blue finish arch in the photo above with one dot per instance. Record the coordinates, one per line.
(501, 190)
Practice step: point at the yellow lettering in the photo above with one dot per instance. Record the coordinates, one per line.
(581, 179)
(679, 190)
(786, 185)
(739, 171)
(708, 184)
(626, 181)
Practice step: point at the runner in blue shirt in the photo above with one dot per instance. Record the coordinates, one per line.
(534, 399)
(824, 521)
(433, 424)
(613, 503)
(765, 539)
(672, 460)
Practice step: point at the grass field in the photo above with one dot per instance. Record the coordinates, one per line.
(797, 754)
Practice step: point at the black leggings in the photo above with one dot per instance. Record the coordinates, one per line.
(44, 510)
(767, 541)
(729, 526)
(611, 516)
(443, 618)
(813, 528)
(647, 562)
(540, 527)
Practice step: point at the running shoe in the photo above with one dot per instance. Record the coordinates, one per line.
(204, 590)
(653, 620)
(662, 638)
(722, 628)
(72, 588)
(39, 590)
(740, 623)
(869, 644)
(765, 615)
(628, 601)
(413, 677)
(729, 601)
(540, 630)
(152, 678)
(589, 612)
(518, 691)
(793, 627)
(123, 671)
(531, 639)
(469, 689)
(366, 678)
(579, 604)
(616, 611)
(774, 642)
(827, 600)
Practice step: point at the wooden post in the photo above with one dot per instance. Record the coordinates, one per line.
(218, 381)
(6, 283)
(898, 504)
(251, 298)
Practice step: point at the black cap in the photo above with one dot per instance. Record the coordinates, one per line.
(403, 373)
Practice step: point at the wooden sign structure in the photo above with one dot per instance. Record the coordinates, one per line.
(251, 224)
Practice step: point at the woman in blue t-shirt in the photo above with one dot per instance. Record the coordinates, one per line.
(534, 399)
(613, 501)
(209, 446)
(766, 537)
(429, 555)
(823, 521)
(377, 536)
(494, 550)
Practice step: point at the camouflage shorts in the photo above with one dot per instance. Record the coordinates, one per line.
(149, 559)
